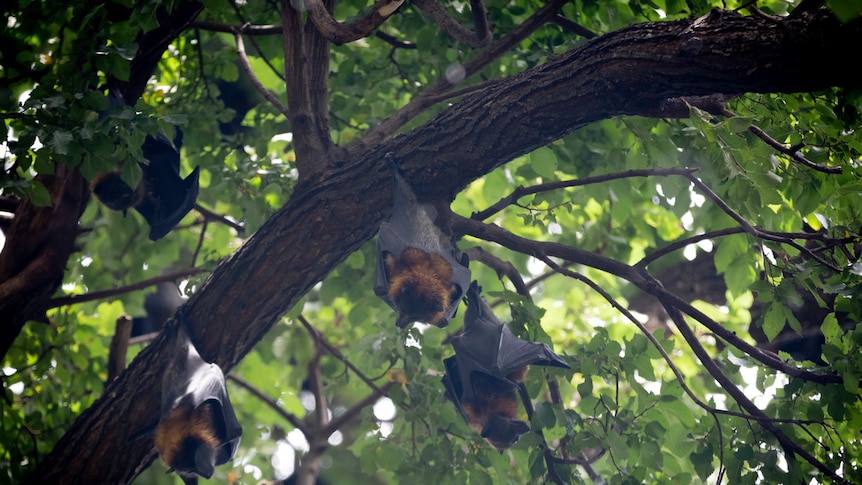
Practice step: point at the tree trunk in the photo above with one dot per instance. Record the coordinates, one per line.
(633, 71)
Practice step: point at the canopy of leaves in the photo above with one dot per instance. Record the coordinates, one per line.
(698, 267)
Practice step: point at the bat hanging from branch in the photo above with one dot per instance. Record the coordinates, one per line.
(162, 197)
(419, 273)
(490, 362)
(198, 429)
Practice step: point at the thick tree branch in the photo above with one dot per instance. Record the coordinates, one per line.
(39, 242)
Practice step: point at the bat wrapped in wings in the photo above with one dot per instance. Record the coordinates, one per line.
(162, 197)
(198, 429)
(488, 365)
(418, 271)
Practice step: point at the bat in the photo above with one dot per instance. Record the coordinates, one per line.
(198, 429)
(419, 273)
(489, 364)
(162, 197)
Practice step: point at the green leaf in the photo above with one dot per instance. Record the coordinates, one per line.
(39, 194)
(773, 320)
(544, 162)
(59, 141)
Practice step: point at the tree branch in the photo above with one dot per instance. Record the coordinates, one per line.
(341, 32)
(99, 295)
(790, 447)
(246, 68)
(791, 152)
(455, 30)
(521, 191)
(290, 418)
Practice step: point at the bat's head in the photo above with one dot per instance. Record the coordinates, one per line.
(111, 191)
(420, 286)
(187, 439)
(503, 432)
(420, 304)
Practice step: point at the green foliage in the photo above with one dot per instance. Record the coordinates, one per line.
(623, 407)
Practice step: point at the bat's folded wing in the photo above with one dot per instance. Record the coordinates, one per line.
(208, 385)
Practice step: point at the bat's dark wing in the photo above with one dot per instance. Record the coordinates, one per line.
(192, 380)
(454, 385)
(411, 225)
(487, 345)
(168, 197)
(208, 385)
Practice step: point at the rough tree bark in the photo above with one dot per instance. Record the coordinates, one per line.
(633, 71)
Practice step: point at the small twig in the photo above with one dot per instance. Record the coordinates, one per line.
(212, 216)
(394, 41)
(200, 242)
(245, 65)
(658, 253)
(574, 27)
(296, 422)
(523, 191)
(245, 29)
(320, 339)
(453, 28)
(501, 267)
(370, 399)
(98, 295)
(791, 152)
(142, 339)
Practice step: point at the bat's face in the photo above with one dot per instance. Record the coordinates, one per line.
(503, 432)
(188, 437)
(110, 189)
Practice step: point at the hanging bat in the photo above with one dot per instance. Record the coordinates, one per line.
(418, 272)
(486, 345)
(488, 365)
(162, 196)
(198, 429)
